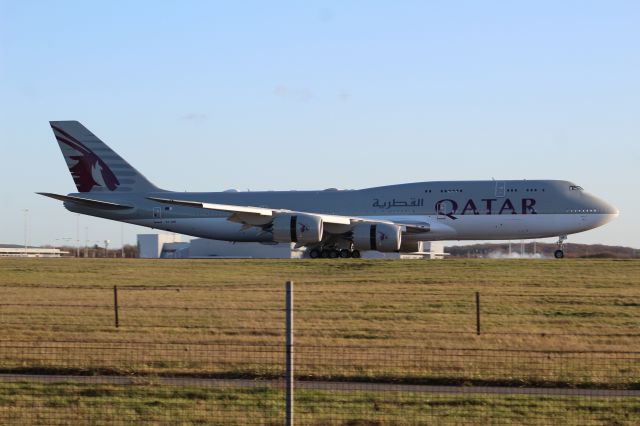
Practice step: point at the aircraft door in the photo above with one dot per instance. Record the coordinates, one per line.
(500, 189)
(157, 213)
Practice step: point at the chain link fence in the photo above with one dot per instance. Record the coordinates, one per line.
(217, 356)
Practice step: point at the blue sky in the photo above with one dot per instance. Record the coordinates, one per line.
(305, 95)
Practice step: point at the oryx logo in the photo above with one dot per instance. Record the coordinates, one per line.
(89, 169)
(303, 228)
(383, 236)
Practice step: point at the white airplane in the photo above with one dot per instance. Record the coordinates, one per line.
(329, 223)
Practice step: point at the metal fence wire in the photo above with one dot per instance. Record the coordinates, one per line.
(136, 382)
(200, 356)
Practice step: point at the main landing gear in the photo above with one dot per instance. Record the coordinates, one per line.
(333, 253)
(559, 253)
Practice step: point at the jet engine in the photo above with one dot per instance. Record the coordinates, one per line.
(297, 228)
(377, 236)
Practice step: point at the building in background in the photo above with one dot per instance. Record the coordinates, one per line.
(202, 248)
(426, 250)
(169, 246)
(20, 251)
(155, 246)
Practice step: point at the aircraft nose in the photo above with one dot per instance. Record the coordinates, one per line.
(604, 207)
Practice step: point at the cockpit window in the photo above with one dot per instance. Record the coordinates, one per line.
(576, 188)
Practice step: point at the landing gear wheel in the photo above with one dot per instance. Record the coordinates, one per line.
(324, 253)
(559, 253)
(333, 254)
(314, 253)
(345, 253)
(355, 254)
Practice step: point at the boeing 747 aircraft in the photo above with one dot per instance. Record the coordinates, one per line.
(330, 223)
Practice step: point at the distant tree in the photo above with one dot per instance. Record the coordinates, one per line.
(130, 250)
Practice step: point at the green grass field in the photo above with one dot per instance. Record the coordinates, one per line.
(64, 403)
(364, 320)
(569, 304)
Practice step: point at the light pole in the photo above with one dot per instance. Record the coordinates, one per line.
(78, 235)
(106, 248)
(26, 231)
(86, 242)
(122, 240)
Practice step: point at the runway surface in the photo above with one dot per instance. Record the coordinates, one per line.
(318, 385)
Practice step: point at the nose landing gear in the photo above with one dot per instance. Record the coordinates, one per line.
(559, 253)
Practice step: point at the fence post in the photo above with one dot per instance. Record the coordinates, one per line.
(289, 353)
(478, 313)
(115, 305)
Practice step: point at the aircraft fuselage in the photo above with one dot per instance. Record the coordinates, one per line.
(455, 210)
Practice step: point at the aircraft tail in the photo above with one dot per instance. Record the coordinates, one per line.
(93, 165)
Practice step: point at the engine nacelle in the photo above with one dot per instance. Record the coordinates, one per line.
(377, 236)
(297, 228)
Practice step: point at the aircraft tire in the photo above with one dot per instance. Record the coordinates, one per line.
(324, 253)
(558, 254)
(314, 253)
(355, 254)
(334, 254)
(345, 253)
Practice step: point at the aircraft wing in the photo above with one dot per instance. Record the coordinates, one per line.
(260, 211)
(245, 214)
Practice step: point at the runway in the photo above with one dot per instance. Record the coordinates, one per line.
(319, 385)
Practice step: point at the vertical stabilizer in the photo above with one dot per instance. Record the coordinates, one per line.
(93, 165)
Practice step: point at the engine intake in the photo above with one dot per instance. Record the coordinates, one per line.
(297, 228)
(377, 236)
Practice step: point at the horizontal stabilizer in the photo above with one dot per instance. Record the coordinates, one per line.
(86, 201)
